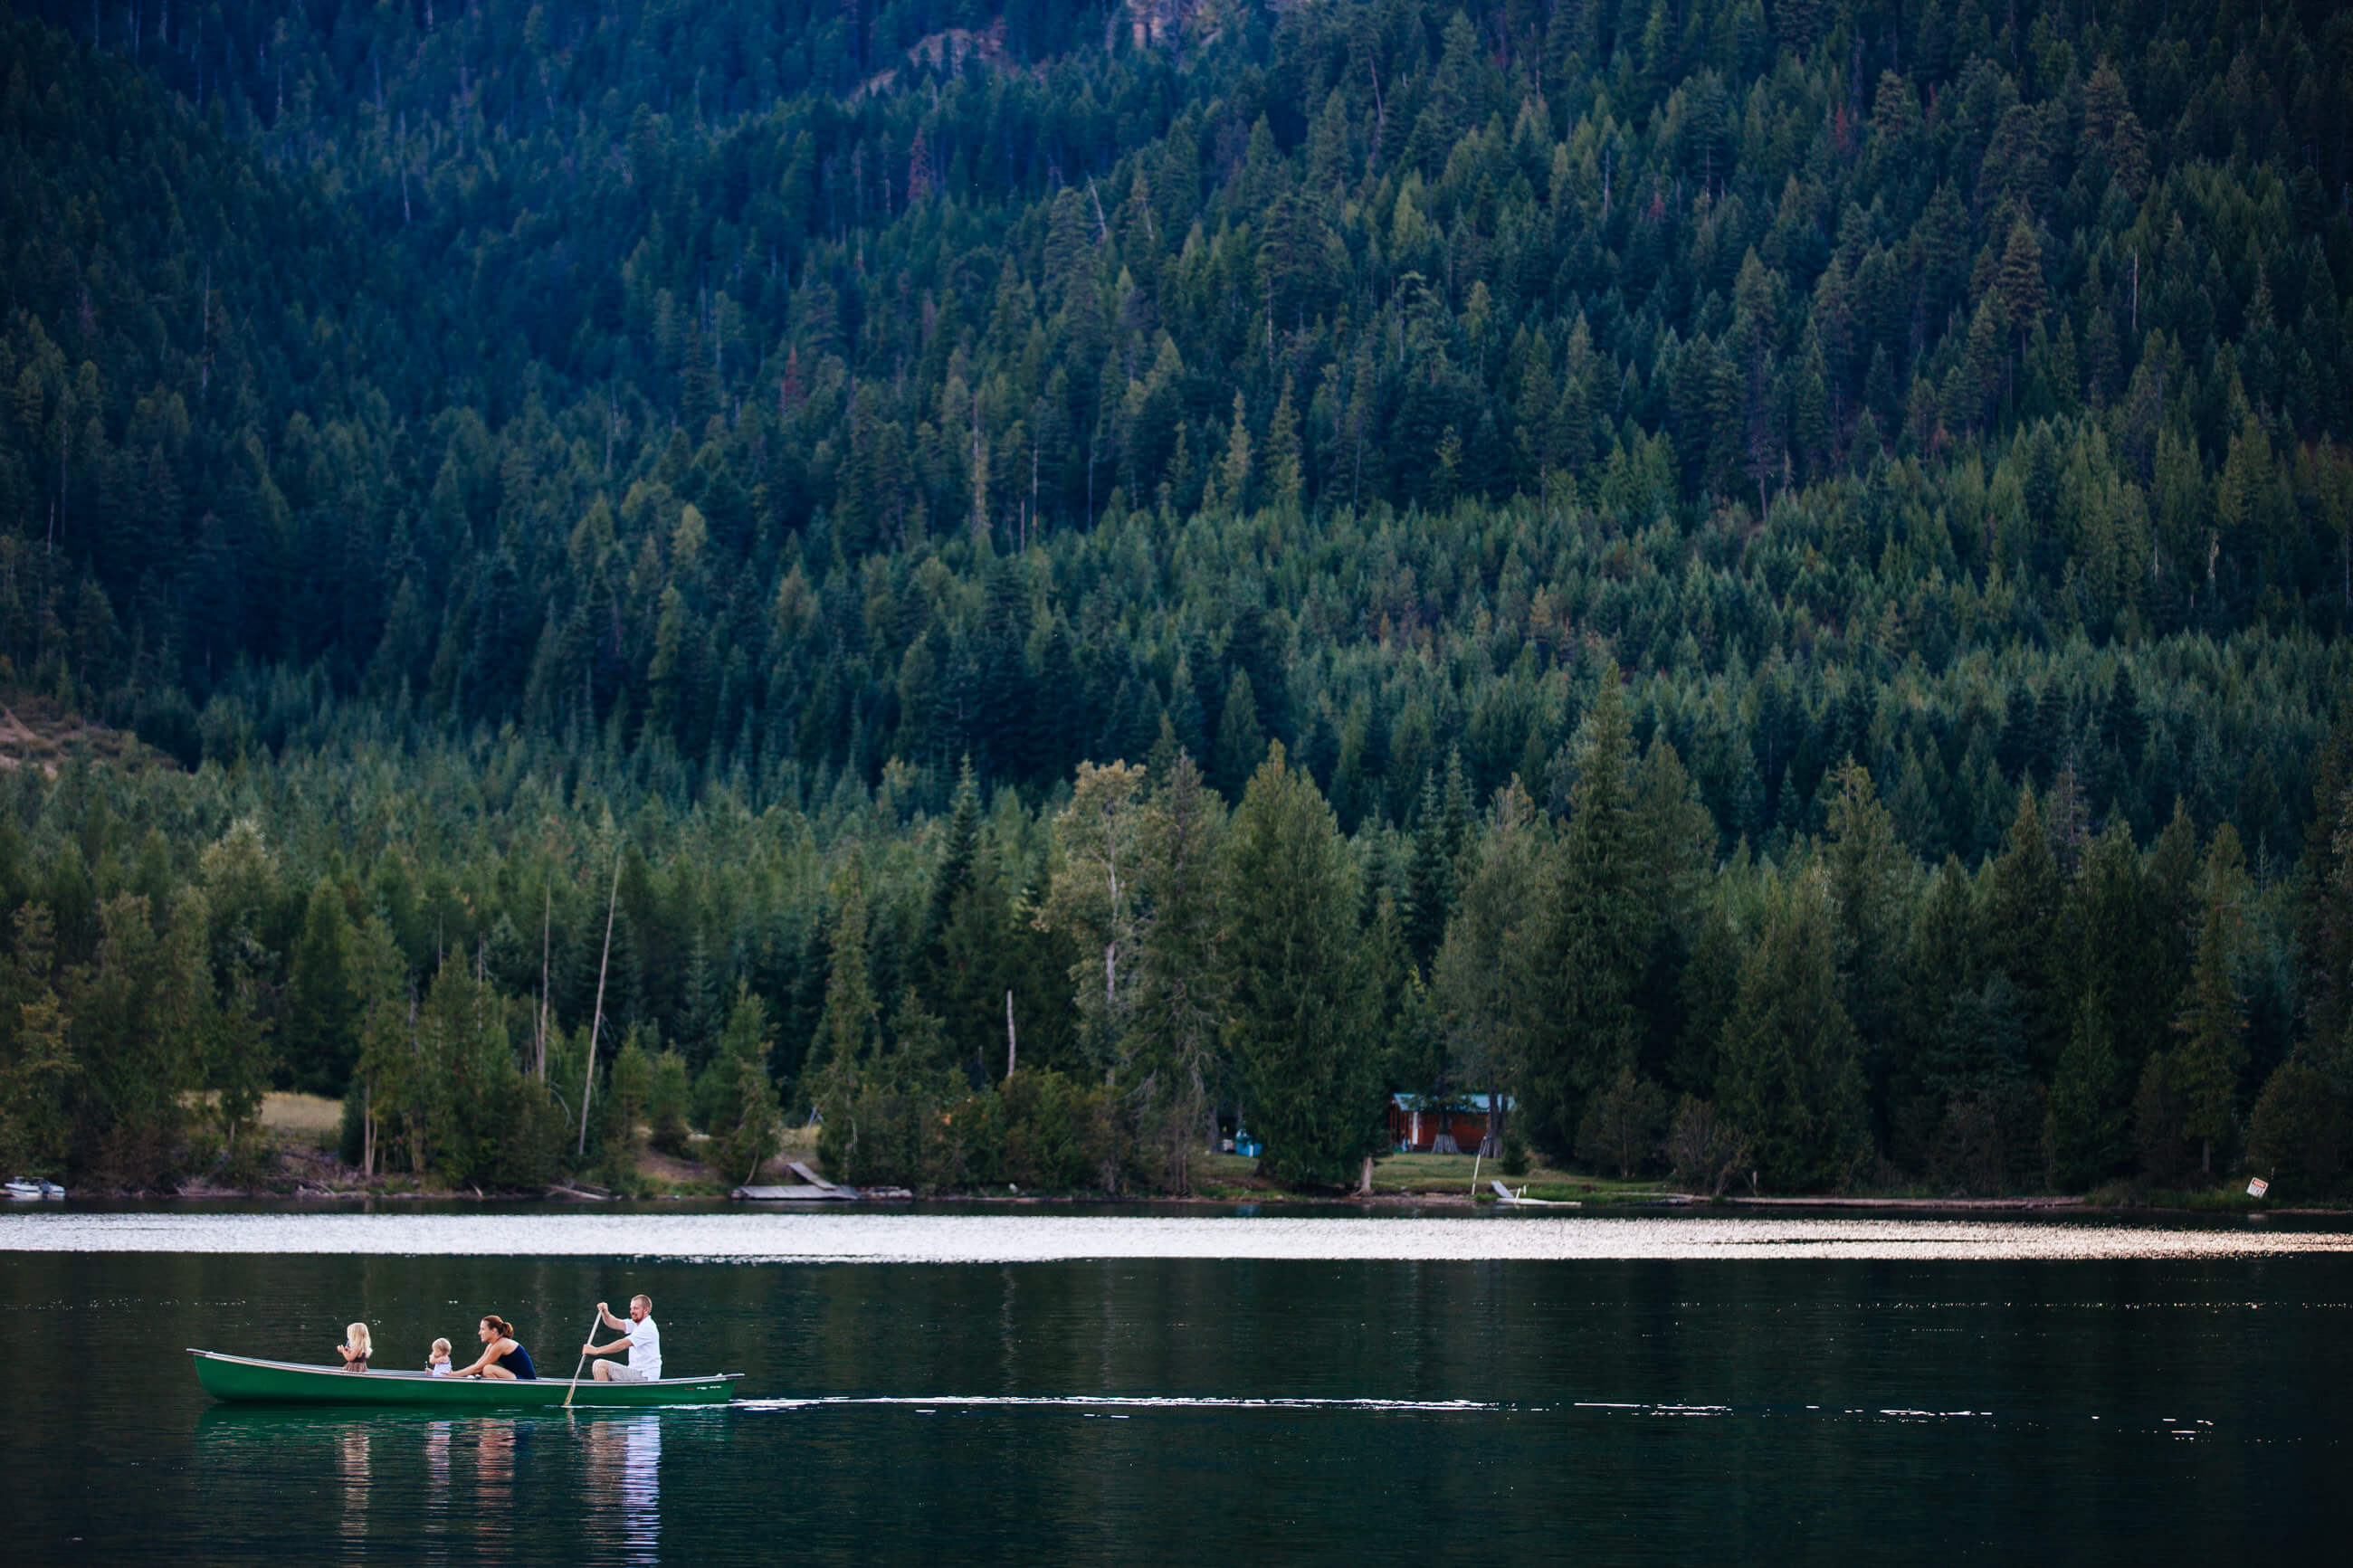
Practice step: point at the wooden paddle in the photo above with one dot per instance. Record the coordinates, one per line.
(593, 1324)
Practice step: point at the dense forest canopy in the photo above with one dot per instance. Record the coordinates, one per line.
(1770, 575)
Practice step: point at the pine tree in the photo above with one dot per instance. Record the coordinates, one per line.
(954, 874)
(1240, 742)
(1172, 1066)
(1298, 1024)
(1280, 461)
(37, 1070)
(845, 1030)
(1441, 821)
(238, 1057)
(138, 1016)
(1871, 880)
(1603, 932)
(1233, 476)
(321, 1028)
(1489, 986)
(395, 1097)
(1789, 1079)
(2085, 1127)
(747, 1126)
(2206, 1065)
(2020, 277)
(2021, 915)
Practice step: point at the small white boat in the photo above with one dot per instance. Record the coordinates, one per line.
(31, 1188)
(1520, 1200)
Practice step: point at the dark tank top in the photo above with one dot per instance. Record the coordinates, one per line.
(518, 1361)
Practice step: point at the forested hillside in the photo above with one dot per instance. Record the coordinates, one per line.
(1772, 578)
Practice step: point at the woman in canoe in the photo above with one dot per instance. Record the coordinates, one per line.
(501, 1356)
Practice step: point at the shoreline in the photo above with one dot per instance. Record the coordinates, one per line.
(871, 1238)
(572, 1202)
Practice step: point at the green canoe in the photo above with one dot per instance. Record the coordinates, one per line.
(244, 1379)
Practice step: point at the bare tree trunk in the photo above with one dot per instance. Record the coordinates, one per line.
(547, 914)
(1364, 1179)
(596, 1022)
(1012, 1045)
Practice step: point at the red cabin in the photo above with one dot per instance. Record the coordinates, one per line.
(1417, 1125)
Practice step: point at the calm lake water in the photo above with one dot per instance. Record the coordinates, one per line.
(1689, 1400)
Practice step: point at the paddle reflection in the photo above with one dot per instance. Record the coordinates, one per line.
(352, 1464)
(436, 1487)
(397, 1488)
(624, 1482)
(495, 1442)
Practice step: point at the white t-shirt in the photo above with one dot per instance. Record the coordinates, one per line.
(645, 1347)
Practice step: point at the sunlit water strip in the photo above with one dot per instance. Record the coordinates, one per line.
(1111, 1402)
(1119, 1407)
(1044, 1238)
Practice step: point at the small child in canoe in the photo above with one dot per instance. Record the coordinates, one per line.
(438, 1360)
(356, 1348)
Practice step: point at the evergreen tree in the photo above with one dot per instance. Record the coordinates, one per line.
(952, 876)
(630, 1095)
(2022, 914)
(845, 1030)
(1172, 1068)
(667, 1099)
(1489, 988)
(1623, 1123)
(746, 1124)
(394, 1098)
(1298, 1024)
(1603, 932)
(1789, 1078)
(321, 1028)
(2085, 1124)
(1870, 879)
(37, 1063)
(2212, 1052)
(238, 1059)
(137, 1018)
(1241, 742)
(1440, 824)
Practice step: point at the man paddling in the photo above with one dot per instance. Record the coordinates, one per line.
(640, 1338)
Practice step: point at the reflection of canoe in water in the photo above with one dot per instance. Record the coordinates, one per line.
(243, 1379)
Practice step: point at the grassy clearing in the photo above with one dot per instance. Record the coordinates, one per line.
(307, 1116)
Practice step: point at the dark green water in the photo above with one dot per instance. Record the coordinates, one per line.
(1666, 1411)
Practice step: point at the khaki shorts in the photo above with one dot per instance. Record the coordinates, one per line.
(628, 1375)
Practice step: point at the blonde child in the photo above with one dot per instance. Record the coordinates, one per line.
(356, 1348)
(438, 1363)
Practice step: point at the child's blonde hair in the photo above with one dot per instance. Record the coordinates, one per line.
(356, 1336)
(440, 1349)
